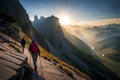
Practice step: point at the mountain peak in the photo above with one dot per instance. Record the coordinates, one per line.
(35, 18)
(52, 21)
(54, 17)
(42, 17)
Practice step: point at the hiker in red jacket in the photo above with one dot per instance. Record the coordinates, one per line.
(34, 50)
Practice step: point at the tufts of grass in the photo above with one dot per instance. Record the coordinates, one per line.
(67, 70)
(1, 41)
(47, 58)
(60, 66)
(27, 39)
(55, 61)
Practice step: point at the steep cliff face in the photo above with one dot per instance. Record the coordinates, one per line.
(51, 29)
(15, 9)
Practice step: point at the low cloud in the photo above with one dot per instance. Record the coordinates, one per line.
(101, 22)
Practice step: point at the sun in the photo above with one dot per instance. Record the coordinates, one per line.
(64, 20)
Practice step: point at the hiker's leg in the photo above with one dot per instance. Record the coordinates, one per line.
(22, 50)
(35, 66)
(34, 61)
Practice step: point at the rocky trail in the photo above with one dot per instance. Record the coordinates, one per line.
(48, 71)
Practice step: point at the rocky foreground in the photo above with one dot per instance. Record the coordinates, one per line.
(17, 66)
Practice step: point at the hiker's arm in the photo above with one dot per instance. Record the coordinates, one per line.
(30, 47)
(39, 52)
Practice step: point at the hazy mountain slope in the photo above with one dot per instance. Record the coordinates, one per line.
(106, 31)
(93, 34)
(72, 50)
(104, 40)
(108, 50)
(109, 43)
(77, 43)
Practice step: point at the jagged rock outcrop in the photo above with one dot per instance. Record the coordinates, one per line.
(35, 18)
(49, 27)
(16, 10)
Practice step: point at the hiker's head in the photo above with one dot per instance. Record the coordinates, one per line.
(33, 40)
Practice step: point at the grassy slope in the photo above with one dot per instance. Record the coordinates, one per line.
(47, 55)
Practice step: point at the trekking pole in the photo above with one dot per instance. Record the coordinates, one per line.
(31, 59)
(41, 67)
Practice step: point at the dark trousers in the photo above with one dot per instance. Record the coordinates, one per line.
(22, 50)
(35, 56)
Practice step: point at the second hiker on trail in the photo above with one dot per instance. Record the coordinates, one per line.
(34, 50)
(23, 42)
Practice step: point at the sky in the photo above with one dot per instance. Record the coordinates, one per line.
(77, 10)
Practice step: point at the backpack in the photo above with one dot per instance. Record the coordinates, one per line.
(34, 47)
